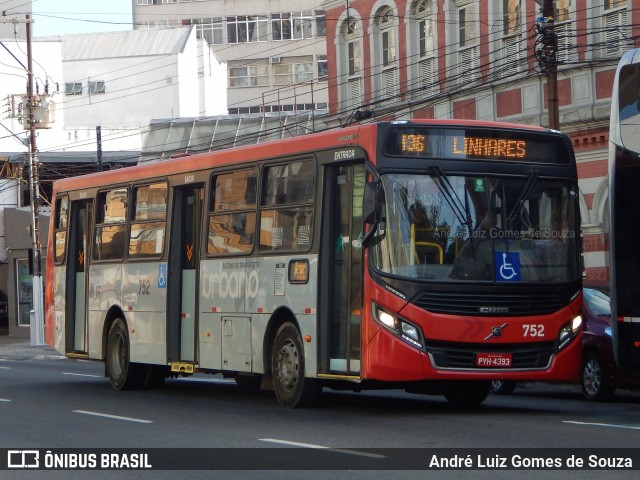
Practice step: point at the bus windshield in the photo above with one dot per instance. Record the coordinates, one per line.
(469, 228)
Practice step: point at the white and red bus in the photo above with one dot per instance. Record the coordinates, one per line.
(624, 198)
(433, 256)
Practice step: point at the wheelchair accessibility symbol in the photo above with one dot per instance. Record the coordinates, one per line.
(507, 265)
(162, 276)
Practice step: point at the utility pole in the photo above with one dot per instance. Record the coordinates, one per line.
(99, 146)
(547, 55)
(37, 114)
(37, 319)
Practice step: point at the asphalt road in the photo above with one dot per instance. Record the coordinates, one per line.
(53, 403)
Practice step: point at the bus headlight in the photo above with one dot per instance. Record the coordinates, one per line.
(568, 332)
(407, 331)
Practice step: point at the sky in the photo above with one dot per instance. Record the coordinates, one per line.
(62, 17)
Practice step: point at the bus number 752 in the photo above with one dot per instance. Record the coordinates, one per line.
(533, 330)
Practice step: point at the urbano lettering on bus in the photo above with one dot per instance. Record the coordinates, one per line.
(230, 283)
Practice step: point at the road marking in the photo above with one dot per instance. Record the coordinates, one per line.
(321, 447)
(115, 417)
(81, 375)
(4, 400)
(5, 368)
(611, 425)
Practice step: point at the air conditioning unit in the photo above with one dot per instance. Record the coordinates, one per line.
(276, 59)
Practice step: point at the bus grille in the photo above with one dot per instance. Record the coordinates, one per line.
(532, 355)
(489, 304)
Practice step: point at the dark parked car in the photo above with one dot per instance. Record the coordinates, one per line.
(599, 377)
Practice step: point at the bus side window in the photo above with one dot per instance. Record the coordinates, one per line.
(61, 218)
(288, 190)
(232, 216)
(110, 230)
(148, 220)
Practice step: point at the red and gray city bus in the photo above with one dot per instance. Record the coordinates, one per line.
(624, 198)
(429, 256)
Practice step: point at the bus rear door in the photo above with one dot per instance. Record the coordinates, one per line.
(77, 277)
(184, 252)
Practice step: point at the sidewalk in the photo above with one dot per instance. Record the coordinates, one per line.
(12, 348)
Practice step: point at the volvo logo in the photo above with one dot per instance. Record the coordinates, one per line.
(495, 332)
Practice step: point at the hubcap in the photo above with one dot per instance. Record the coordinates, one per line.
(288, 365)
(592, 377)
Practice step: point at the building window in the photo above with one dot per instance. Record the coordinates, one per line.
(387, 32)
(302, 24)
(510, 16)
(208, 29)
(424, 12)
(468, 55)
(288, 73)
(247, 28)
(351, 90)
(249, 76)
(322, 68)
(321, 28)
(281, 26)
(292, 26)
(355, 57)
(564, 30)
(386, 78)
(427, 67)
(511, 40)
(617, 28)
(96, 88)
(73, 88)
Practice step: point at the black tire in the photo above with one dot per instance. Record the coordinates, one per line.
(594, 379)
(155, 376)
(503, 387)
(123, 374)
(249, 383)
(291, 387)
(466, 393)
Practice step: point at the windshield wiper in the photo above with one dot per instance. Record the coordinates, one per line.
(460, 211)
(524, 194)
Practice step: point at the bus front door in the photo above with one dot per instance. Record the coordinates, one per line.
(341, 283)
(76, 313)
(184, 254)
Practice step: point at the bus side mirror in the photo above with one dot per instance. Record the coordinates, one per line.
(372, 202)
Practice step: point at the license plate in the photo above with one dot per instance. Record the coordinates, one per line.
(498, 360)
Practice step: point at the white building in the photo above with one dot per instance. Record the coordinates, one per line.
(123, 80)
(275, 49)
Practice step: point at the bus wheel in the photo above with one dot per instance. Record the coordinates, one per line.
(503, 387)
(466, 393)
(123, 375)
(595, 382)
(155, 376)
(287, 369)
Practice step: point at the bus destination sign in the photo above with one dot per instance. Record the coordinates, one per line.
(474, 144)
(481, 147)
